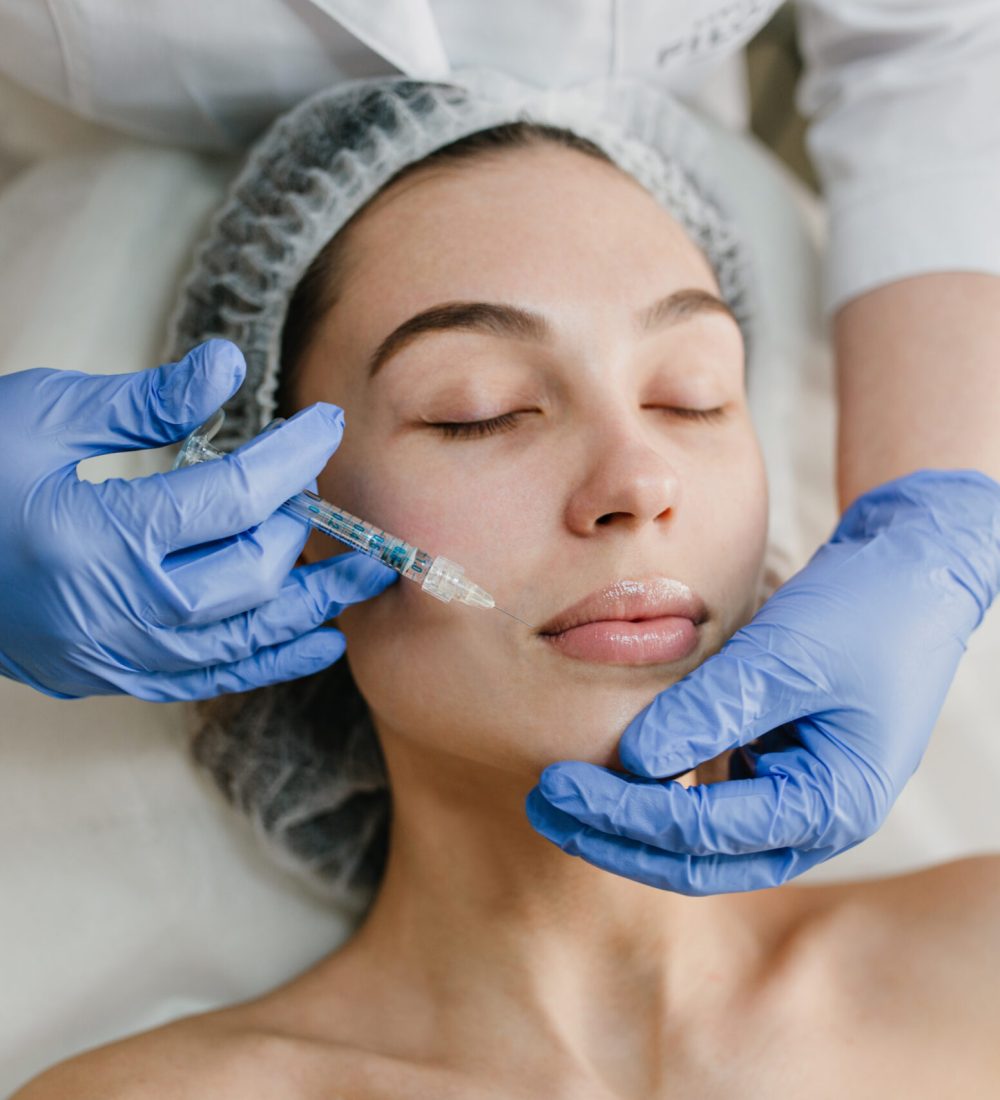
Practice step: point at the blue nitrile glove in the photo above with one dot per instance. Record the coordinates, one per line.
(110, 588)
(842, 673)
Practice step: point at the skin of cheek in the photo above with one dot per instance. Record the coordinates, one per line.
(477, 685)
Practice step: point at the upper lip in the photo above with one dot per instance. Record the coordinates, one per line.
(632, 600)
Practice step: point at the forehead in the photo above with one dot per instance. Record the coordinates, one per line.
(543, 212)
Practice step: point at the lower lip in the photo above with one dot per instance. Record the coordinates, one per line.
(618, 642)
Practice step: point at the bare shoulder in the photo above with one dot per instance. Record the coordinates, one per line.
(960, 898)
(197, 1056)
(925, 938)
(226, 1056)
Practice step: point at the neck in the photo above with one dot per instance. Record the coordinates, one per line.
(483, 928)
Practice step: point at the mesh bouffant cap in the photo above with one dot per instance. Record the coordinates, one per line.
(322, 161)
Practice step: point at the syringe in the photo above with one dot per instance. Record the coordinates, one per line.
(438, 576)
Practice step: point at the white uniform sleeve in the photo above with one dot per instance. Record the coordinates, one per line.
(904, 102)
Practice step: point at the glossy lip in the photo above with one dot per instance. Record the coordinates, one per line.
(665, 640)
(631, 601)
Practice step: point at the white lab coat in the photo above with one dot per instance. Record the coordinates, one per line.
(904, 94)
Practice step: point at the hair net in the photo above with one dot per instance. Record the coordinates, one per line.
(323, 160)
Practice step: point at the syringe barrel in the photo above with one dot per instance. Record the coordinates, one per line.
(438, 577)
(355, 532)
(351, 530)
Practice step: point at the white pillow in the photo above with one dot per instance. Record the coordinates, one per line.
(132, 893)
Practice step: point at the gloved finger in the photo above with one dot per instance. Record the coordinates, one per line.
(15, 671)
(311, 595)
(734, 697)
(303, 656)
(215, 499)
(796, 805)
(695, 876)
(203, 584)
(104, 413)
(830, 795)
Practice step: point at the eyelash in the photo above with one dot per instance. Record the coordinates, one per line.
(475, 428)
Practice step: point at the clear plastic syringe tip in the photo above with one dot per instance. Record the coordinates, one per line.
(447, 581)
(476, 596)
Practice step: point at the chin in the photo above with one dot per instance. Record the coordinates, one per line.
(600, 749)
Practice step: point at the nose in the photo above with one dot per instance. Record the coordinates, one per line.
(629, 479)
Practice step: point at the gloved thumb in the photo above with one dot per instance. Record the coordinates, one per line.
(735, 696)
(149, 408)
(187, 392)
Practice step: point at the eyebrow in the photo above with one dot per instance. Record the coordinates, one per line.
(514, 323)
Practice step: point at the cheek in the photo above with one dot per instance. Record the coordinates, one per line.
(468, 516)
(455, 517)
(439, 672)
(736, 514)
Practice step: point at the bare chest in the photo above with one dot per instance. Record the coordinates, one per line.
(759, 1061)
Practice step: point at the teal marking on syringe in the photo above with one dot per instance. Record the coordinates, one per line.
(396, 557)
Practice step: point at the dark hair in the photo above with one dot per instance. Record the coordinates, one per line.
(301, 759)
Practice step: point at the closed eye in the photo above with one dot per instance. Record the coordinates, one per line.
(698, 414)
(470, 429)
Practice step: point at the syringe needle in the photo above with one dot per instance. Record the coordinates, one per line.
(513, 616)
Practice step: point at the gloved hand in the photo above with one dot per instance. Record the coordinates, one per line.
(123, 586)
(842, 673)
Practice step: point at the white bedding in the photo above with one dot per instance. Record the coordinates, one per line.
(131, 893)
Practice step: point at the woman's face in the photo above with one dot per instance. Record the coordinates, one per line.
(596, 479)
